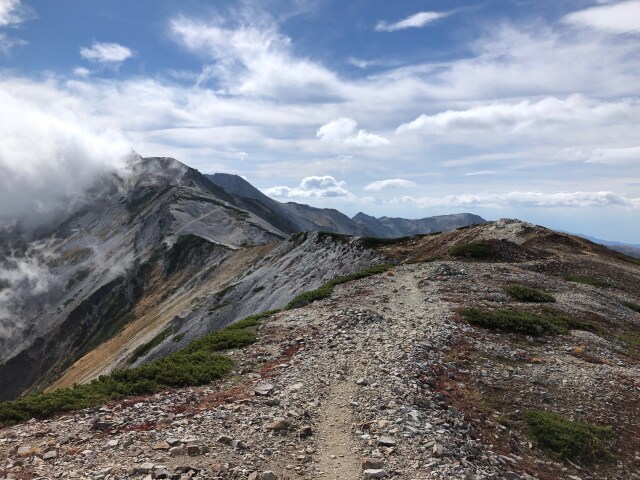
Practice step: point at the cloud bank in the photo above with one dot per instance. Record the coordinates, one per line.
(526, 200)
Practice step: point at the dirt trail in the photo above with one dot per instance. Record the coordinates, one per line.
(336, 455)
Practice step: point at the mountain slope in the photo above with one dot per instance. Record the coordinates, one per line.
(85, 275)
(392, 374)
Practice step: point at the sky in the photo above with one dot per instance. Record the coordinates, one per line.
(524, 109)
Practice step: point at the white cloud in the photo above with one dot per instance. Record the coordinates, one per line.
(417, 20)
(615, 155)
(103, 52)
(311, 187)
(255, 60)
(526, 115)
(7, 43)
(389, 183)
(480, 173)
(13, 12)
(525, 200)
(81, 72)
(622, 17)
(344, 130)
(49, 153)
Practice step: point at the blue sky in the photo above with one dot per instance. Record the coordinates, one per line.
(527, 109)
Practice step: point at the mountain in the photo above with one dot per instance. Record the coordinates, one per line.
(78, 284)
(633, 250)
(303, 218)
(386, 227)
(158, 244)
(498, 350)
(299, 217)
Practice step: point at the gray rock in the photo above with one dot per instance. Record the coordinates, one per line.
(386, 442)
(372, 463)
(263, 389)
(375, 473)
(144, 468)
(50, 455)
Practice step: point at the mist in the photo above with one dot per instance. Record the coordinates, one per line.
(49, 156)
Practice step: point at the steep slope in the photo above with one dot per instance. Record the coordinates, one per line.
(390, 375)
(77, 284)
(205, 289)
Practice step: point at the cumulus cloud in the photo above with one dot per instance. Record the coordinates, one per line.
(389, 183)
(48, 152)
(525, 200)
(417, 20)
(108, 53)
(526, 115)
(311, 187)
(617, 18)
(345, 130)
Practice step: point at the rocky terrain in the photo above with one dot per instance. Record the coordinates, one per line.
(389, 378)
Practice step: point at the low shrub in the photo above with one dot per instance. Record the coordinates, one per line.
(586, 280)
(528, 294)
(198, 363)
(475, 249)
(520, 321)
(142, 350)
(325, 290)
(633, 306)
(562, 438)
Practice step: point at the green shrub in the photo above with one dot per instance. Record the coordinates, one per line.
(563, 438)
(198, 363)
(528, 294)
(475, 249)
(258, 289)
(633, 306)
(325, 290)
(586, 280)
(142, 350)
(529, 323)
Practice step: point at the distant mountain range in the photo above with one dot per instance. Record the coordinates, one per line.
(295, 217)
(633, 250)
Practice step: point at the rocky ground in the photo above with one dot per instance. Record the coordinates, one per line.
(382, 380)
